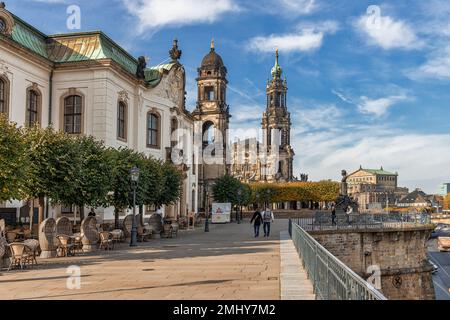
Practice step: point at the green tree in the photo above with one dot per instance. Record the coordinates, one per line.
(225, 189)
(121, 197)
(13, 161)
(53, 165)
(92, 177)
(172, 180)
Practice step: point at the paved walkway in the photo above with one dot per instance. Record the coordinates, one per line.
(294, 282)
(225, 264)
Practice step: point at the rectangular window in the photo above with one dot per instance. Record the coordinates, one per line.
(121, 121)
(152, 130)
(32, 108)
(72, 115)
(2, 97)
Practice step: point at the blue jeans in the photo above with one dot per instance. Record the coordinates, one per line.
(267, 229)
(256, 227)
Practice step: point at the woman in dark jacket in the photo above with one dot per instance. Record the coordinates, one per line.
(257, 219)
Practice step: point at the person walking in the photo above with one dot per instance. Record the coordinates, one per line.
(333, 215)
(349, 211)
(267, 219)
(257, 219)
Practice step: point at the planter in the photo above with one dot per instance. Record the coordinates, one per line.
(175, 228)
(168, 230)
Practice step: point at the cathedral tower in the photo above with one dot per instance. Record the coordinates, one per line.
(276, 125)
(212, 121)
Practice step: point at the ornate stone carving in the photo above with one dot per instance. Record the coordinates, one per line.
(3, 67)
(6, 20)
(123, 96)
(172, 87)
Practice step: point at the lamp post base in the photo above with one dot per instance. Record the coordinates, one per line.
(133, 242)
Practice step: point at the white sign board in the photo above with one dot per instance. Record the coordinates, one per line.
(221, 212)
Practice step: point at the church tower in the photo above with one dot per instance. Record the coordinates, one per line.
(212, 117)
(276, 125)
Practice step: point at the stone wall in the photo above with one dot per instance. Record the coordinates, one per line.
(400, 254)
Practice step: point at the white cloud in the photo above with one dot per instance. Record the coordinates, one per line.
(287, 8)
(388, 33)
(379, 107)
(160, 13)
(299, 6)
(307, 38)
(325, 154)
(437, 66)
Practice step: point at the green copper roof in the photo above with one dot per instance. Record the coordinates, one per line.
(29, 37)
(380, 172)
(77, 47)
(87, 46)
(153, 75)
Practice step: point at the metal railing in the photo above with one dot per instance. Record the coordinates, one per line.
(332, 279)
(324, 221)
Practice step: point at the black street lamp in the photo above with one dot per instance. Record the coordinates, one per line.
(207, 216)
(134, 178)
(239, 195)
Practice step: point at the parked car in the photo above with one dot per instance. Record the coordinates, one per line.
(444, 244)
(441, 230)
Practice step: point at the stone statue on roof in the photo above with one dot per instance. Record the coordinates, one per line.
(142, 64)
(175, 53)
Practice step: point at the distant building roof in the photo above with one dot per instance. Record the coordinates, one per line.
(417, 196)
(381, 172)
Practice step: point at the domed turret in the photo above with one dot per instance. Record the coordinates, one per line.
(212, 59)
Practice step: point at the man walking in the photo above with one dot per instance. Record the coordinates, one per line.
(333, 215)
(267, 219)
(257, 219)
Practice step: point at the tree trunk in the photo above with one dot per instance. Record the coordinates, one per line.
(41, 210)
(116, 218)
(141, 212)
(81, 208)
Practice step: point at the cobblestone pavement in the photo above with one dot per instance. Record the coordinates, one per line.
(226, 263)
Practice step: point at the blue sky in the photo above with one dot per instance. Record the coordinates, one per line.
(368, 85)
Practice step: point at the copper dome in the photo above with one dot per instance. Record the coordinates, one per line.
(212, 59)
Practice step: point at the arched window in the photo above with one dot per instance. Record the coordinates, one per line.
(4, 95)
(208, 133)
(33, 111)
(73, 114)
(153, 130)
(122, 121)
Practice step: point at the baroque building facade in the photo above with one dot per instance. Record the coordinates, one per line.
(86, 84)
(272, 159)
(374, 188)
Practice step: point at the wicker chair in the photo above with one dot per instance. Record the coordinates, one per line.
(2, 250)
(65, 246)
(47, 238)
(2, 227)
(64, 227)
(127, 225)
(106, 240)
(20, 256)
(90, 234)
(33, 246)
